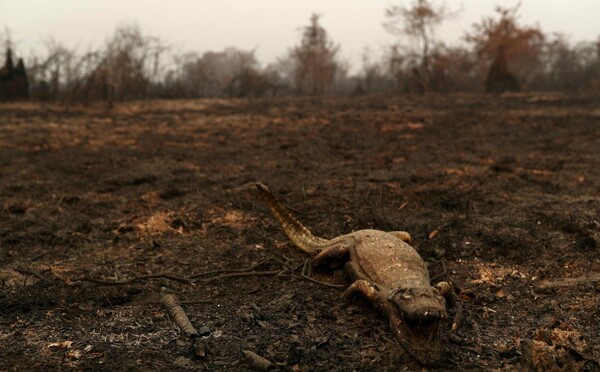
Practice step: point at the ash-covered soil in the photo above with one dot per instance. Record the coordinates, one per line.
(500, 193)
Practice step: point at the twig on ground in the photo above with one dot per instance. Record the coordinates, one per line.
(25, 271)
(170, 303)
(307, 268)
(443, 274)
(257, 361)
(239, 274)
(305, 277)
(222, 271)
(286, 270)
(301, 264)
(45, 253)
(285, 264)
(569, 282)
(135, 279)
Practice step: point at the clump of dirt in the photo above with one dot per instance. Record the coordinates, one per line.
(500, 195)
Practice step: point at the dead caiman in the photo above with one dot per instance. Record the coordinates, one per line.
(388, 272)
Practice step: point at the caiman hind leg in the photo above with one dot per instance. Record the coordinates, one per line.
(447, 290)
(336, 250)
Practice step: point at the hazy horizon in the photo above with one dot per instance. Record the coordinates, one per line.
(268, 26)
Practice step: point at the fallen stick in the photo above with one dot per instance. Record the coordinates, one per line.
(225, 271)
(206, 277)
(257, 361)
(24, 271)
(569, 282)
(178, 278)
(239, 274)
(170, 303)
(135, 279)
(308, 278)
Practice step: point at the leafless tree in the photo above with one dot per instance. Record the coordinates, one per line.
(130, 64)
(216, 74)
(418, 22)
(55, 72)
(123, 68)
(566, 66)
(454, 69)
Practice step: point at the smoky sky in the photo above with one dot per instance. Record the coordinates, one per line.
(268, 26)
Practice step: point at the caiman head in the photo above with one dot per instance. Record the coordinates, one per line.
(416, 317)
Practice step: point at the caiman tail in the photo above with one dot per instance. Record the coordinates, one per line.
(297, 233)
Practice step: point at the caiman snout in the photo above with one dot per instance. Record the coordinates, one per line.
(425, 315)
(419, 304)
(416, 315)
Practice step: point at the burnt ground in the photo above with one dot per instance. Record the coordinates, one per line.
(500, 193)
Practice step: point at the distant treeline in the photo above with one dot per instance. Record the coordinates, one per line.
(499, 55)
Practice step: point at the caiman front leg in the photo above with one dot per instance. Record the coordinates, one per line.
(402, 235)
(371, 292)
(447, 290)
(377, 295)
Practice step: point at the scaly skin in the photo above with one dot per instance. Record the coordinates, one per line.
(387, 271)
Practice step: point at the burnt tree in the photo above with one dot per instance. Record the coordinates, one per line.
(499, 79)
(512, 49)
(315, 60)
(13, 80)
